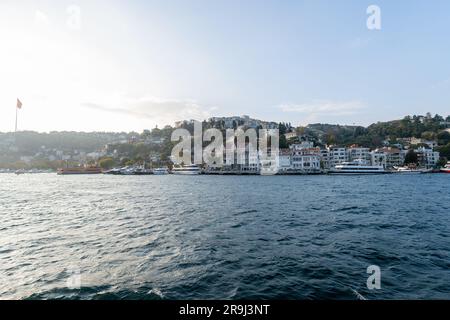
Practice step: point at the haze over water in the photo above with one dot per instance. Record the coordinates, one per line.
(231, 237)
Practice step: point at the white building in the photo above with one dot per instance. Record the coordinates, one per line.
(285, 161)
(302, 145)
(393, 157)
(245, 162)
(305, 158)
(358, 153)
(337, 155)
(427, 157)
(291, 135)
(379, 158)
(325, 155)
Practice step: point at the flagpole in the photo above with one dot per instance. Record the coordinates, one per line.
(16, 117)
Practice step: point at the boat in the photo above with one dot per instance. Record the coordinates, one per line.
(446, 168)
(114, 171)
(130, 171)
(79, 170)
(141, 171)
(186, 170)
(411, 170)
(161, 171)
(127, 171)
(357, 167)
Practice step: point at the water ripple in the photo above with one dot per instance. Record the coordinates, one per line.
(212, 237)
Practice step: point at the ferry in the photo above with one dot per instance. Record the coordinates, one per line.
(357, 167)
(161, 171)
(79, 170)
(446, 168)
(186, 170)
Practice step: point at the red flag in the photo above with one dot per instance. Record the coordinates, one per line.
(19, 104)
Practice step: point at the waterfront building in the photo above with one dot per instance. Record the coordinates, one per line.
(379, 158)
(249, 162)
(357, 153)
(305, 157)
(285, 161)
(244, 162)
(427, 157)
(388, 157)
(325, 158)
(337, 155)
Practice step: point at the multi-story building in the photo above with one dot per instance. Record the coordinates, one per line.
(388, 157)
(284, 161)
(325, 157)
(427, 157)
(412, 141)
(358, 153)
(244, 162)
(379, 158)
(337, 155)
(305, 158)
(291, 135)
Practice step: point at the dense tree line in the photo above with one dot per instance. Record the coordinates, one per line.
(427, 127)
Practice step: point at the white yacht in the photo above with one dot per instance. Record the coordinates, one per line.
(357, 167)
(161, 171)
(186, 170)
(409, 170)
(446, 169)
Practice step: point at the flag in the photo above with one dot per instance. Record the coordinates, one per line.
(19, 104)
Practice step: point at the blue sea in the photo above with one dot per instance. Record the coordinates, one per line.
(224, 237)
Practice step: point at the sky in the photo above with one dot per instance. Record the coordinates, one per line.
(111, 65)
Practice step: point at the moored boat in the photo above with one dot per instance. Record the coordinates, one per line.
(446, 168)
(186, 170)
(411, 170)
(161, 171)
(141, 171)
(114, 171)
(79, 170)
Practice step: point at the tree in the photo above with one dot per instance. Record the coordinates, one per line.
(283, 142)
(411, 157)
(442, 162)
(146, 134)
(443, 138)
(445, 151)
(428, 135)
(106, 163)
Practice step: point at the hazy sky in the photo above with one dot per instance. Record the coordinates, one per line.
(128, 65)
